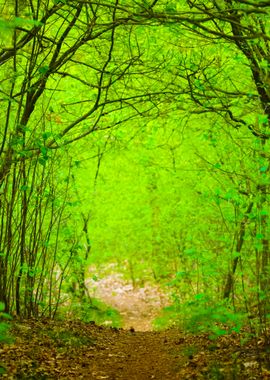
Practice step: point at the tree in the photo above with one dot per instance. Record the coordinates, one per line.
(90, 70)
(68, 70)
(227, 74)
(219, 63)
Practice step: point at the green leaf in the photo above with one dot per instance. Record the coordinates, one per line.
(263, 119)
(18, 21)
(42, 161)
(259, 236)
(24, 268)
(43, 70)
(170, 8)
(46, 135)
(4, 24)
(263, 169)
(44, 151)
(199, 296)
(264, 64)
(198, 84)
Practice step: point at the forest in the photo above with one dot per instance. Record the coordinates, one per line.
(135, 142)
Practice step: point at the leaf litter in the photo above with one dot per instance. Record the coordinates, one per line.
(54, 349)
(44, 349)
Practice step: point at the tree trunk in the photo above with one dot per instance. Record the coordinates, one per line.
(239, 244)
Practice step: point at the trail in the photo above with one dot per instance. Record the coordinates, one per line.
(138, 306)
(73, 350)
(136, 356)
(66, 350)
(70, 349)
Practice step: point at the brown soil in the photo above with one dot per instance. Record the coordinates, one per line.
(73, 350)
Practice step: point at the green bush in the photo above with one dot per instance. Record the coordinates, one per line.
(96, 311)
(202, 315)
(5, 337)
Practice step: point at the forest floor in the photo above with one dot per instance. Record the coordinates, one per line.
(71, 349)
(49, 349)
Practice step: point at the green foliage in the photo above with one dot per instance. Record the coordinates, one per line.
(202, 315)
(98, 312)
(5, 337)
(215, 372)
(190, 350)
(170, 159)
(4, 333)
(66, 339)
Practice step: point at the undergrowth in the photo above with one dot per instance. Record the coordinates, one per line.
(94, 310)
(201, 315)
(5, 336)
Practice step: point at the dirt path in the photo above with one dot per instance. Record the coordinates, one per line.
(46, 349)
(138, 306)
(73, 350)
(137, 356)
